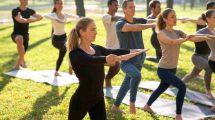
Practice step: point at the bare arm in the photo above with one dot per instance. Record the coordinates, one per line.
(136, 27)
(151, 20)
(167, 40)
(20, 19)
(132, 54)
(198, 21)
(199, 37)
(37, 17)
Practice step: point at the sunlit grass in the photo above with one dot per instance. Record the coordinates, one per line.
(25, 99)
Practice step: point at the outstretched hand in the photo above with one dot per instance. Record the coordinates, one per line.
(184, 20)
(132, 54)
(212, 37)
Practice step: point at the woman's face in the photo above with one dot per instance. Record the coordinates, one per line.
(211, 20)
(59, 4)
(89, 34)
(171, 19)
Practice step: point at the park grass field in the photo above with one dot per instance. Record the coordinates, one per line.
(27, 100)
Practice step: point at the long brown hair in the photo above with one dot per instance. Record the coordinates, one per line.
(161, 24)
(54, 9)
(74, 36)
(207, 14)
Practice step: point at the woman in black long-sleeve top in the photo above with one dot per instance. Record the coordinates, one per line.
(88, 64)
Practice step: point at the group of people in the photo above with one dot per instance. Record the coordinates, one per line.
(124, 49)
(23, 15)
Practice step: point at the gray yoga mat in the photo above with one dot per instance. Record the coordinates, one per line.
(44, 76)
(191, 95)
(165, 107)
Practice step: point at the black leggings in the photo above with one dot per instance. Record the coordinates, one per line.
(58, 41)
(168, 78)
(78, 110)
(155, 43)
(212, 65)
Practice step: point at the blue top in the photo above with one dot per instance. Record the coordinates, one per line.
(131, 40)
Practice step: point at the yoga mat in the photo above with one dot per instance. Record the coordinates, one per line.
(191, 95)
(44, 76)
(63, 79)
(165, 107)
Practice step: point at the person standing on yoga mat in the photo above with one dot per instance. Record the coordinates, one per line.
(21, 18)
(129, 33)
(59, 20)
(155, 7)
(170, 40)
(112, 42)
(200, 56)
(88, 62)
(209, 18)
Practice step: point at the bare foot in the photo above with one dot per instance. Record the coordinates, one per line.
(17, 67)
(24, 65)
(108, 83)
(56, 73)
(209, 95)
(116, 109)
(178, 117)
(132, 108)
(147, 108)
(213, 109)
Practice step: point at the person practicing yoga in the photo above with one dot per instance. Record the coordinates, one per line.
(209, 18)
(109, 21)
(200, 56)
(88, 61)
(22, 16)
(59, 19)
(129, 33)
(170, 40)
(155, 7)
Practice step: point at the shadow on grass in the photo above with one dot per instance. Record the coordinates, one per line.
(37, 25)
(44, 103)
(181, 73)
(4, 28)
(38, 43)
(149, 67)
(9, 64)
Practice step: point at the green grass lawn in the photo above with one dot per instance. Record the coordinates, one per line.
(25, 99)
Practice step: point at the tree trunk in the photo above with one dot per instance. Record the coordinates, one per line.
(148, 8)
(170, 3)
(192, 3)
(80, 11)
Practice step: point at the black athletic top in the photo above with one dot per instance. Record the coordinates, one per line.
(201, 47)
(89, 69)
(21, 28)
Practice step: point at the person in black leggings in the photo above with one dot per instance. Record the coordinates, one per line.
(59, 37)
(155, 7)
(88, 62)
